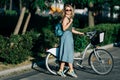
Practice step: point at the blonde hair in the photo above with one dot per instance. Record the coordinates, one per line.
(72, 10)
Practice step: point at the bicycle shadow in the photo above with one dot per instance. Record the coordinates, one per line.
(86, 69)
(39, 65)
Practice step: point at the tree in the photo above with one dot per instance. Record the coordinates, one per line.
(20, 4)
(31, 7)
(17, 28)
(20, 20)
(26, 23)
(11, 1)
(4, 3)
(90, 14)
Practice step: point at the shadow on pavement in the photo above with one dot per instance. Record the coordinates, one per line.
(85, 69)
(39, 66)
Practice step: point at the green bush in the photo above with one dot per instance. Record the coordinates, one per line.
(45, 41)
(10, 12)
(17, 48)
(34, 44)
(111, 32)
(79, 42)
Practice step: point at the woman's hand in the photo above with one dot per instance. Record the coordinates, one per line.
(81, 33)
(71, 20)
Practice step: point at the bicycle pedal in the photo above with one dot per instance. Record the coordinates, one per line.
(81, 66)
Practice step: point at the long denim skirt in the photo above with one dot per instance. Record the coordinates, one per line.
(66, 53)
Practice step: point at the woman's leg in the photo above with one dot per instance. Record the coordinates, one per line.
(62, 64)
(61, 72)
(70, 66)
(71, 71)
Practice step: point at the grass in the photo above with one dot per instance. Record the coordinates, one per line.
(10, 66)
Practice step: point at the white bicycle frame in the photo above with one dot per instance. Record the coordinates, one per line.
(90, 48)
(55, 52)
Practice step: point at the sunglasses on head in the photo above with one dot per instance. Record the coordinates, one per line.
(68, 10)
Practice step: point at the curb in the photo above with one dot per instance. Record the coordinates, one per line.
(9, 71)
(30, 66)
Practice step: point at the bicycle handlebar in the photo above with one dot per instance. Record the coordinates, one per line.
(90, 34)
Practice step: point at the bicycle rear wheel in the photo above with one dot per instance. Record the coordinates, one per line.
(102, 63)
(52, 64)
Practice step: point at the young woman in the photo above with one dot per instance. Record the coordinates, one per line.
(66, 54)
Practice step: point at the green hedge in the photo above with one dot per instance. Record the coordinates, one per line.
(10, 12)
(17, 48)
(112, 33)
(34, 43)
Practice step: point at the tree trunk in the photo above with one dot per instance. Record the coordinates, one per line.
(90, 15)
(26, 23)
(17, 28)
(5, 6)
(91, 18)
(20, 5)
(10, 8)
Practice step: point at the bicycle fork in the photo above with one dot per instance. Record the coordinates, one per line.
(97, 56)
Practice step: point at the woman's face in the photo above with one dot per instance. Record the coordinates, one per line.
(68, 10)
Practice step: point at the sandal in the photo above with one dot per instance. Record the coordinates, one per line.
(72, 73)
(61, 73)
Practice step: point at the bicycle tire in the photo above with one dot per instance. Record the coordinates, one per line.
(106, 63)
(52, 63)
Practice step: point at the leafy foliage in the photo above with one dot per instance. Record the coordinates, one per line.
(112, 33)
(10, 12)
(33, 44)
(17, 48)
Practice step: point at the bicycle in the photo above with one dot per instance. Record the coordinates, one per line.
(100, 60)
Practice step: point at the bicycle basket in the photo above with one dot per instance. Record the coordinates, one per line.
(97, 38)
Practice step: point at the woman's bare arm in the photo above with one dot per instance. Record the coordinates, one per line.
(77, 32)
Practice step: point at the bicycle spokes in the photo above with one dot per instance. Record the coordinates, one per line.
(101, 61)
(93, 59)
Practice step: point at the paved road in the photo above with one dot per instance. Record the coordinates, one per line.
(40, 73)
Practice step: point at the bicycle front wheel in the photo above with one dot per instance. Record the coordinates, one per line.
(101, 62)
(52, 64)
